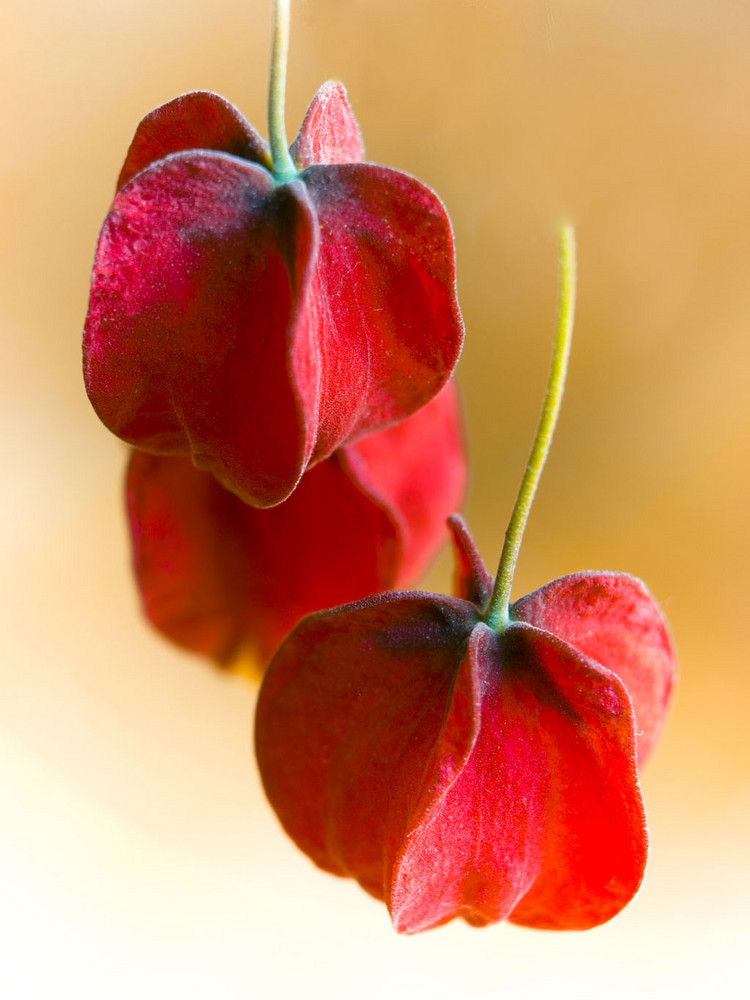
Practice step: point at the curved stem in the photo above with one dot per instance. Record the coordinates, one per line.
(497, 615)
(283, 165)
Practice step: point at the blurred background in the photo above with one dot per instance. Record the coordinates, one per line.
(137, 854)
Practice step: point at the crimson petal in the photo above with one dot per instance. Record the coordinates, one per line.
(543, 823)
(417, 471)
(382, 297)
(349, 711)
(613, 619)
(329, 131)
(200, 266)
(198, 120)
(471, 581)
(224, 579)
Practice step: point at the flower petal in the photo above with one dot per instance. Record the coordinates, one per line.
(222, 578)
(613, 619)
(198, 120)
(417, 471)
(383, 298)
(543, 822)
(329, 131)
(349, 710)
(595, 842)
(200, 266)
(471, 581)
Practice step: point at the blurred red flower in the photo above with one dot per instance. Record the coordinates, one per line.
(224, 579)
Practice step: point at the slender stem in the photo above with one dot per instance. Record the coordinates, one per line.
(283, 165)
(497, 614)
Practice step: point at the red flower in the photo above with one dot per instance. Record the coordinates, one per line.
(257, 326)
(458, 771)
(222, 578)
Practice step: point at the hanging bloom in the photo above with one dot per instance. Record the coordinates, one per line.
(255, 315)
(465, 757)
(457, 771)
(224, 579)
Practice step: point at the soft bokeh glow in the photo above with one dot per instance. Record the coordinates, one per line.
(138, 857)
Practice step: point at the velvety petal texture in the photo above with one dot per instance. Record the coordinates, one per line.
(255, 326)
(613, 619)
(227, 580)
(471, 581)
(198, 120)
(459, 772)
(329, 132)
(348, 715)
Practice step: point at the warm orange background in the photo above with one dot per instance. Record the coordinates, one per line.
(138, 856)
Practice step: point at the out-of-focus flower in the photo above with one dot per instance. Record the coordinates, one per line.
(257, 325)
(456, 770)
(224, 579)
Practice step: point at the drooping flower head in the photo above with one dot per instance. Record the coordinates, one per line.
(455, 771)
(465, 757)
(256, 312)
(228, 580)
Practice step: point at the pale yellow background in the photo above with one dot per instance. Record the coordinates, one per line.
(137, 856)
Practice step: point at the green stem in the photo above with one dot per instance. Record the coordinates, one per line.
(497, 615)
(283, 165)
